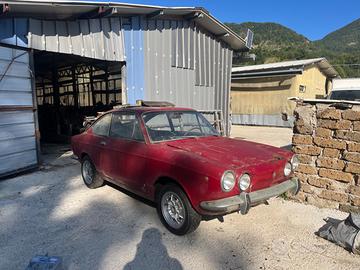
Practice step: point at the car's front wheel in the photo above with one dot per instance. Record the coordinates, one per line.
(89, 174)
(175, 210)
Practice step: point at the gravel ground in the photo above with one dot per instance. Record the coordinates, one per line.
(51, 211)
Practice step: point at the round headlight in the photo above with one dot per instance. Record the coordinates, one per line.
(227, 181)
(244, 182)
(295, 162)
(287, 169)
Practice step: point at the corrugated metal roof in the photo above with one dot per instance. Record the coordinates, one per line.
(61, 10)
(322, 63)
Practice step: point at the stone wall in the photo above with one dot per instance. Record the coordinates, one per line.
(327, 141)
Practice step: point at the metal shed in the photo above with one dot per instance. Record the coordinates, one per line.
(75, 55)
(259, 93)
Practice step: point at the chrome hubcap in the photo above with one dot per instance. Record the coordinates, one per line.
(173, 209)
(87, 172)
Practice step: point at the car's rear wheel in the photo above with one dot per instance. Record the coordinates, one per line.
(89, 174)
(175, 210)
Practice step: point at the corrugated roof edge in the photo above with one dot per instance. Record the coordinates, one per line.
(236, 42)
(327, 68)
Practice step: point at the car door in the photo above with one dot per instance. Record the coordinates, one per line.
(98, 139)
(127, 151)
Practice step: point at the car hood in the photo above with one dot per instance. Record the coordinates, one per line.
(231, 152)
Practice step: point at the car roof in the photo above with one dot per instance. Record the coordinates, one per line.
(151, 109)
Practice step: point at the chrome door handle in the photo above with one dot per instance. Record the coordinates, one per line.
(103, 143)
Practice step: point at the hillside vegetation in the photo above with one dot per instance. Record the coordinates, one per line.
(274, 42)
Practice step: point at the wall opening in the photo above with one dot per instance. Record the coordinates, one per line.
(70, 87)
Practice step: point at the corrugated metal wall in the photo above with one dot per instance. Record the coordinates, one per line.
(93, 38)
(186, 66)
(173, 60)
(17, 125)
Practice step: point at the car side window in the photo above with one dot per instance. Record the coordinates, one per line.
(101, 127)
(157, 121)
(126, 126)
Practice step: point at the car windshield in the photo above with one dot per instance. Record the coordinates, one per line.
(353, 95)
(175, 125)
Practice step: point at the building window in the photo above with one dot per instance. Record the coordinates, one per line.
(302, 88)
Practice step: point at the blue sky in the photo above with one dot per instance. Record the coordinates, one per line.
(311, 18)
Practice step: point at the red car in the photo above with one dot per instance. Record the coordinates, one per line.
(174, 157)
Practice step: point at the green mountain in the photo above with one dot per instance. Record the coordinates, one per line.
(274, 42)
(346, 39)
(270, 34)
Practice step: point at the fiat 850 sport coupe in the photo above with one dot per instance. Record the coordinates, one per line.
(174, 157)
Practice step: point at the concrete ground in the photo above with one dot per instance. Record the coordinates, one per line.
(51, 211)
(280, 137)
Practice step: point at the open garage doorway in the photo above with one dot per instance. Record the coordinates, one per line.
(70, 87)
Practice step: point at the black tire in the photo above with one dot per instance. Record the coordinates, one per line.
(93, 179)
(191, 218)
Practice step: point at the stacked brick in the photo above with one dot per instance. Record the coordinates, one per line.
(327, 142)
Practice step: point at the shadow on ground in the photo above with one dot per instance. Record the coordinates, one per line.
(152, 253)
(53, 212)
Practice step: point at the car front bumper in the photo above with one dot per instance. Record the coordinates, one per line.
(244, 201)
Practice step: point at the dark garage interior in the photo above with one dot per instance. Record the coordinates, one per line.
(70, 87)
